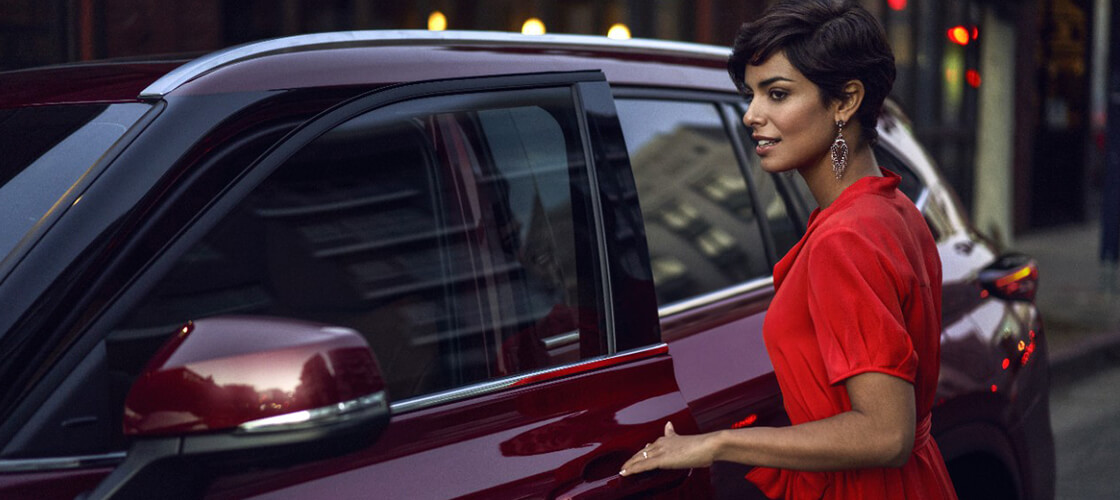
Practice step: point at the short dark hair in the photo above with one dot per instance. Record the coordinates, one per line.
(830, 42)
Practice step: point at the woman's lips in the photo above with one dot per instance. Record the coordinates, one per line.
(765, 146)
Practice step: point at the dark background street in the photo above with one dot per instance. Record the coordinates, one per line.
(1086, 435)
(1080, 300)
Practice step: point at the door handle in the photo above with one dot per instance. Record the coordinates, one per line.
(616, 486)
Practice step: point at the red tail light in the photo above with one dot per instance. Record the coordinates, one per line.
(1011, 277)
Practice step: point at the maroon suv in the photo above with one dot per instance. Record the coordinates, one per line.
(432, 265)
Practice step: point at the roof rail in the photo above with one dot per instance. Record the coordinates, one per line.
(216, 60)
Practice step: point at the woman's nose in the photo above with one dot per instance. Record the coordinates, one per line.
(749, 118)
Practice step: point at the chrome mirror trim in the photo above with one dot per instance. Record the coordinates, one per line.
(216, 60)
(356, 408)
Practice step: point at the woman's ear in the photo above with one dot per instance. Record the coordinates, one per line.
(849, 103)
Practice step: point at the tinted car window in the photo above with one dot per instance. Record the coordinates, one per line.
(775, 204)
(443, 229)
(46, 150)
(700, 219)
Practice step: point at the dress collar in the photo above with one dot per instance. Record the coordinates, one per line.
(883, 186)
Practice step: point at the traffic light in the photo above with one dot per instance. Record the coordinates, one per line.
(962, 35)
(959, 35)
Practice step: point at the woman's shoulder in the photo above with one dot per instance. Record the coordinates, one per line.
(870, 222)
(870, 212)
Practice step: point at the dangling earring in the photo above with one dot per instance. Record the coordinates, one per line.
(839, 151)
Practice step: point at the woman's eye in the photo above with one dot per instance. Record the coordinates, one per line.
(778, 95)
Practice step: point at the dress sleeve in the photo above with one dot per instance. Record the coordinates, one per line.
(856, 290)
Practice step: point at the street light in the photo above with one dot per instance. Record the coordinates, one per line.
(533, 26)
(437, 21)
(619, 32)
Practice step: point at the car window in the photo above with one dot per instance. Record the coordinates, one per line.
(42, 161)
(777, 205)
(701, 223)
(443, 229)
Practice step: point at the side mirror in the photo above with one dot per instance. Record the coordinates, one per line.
(245, 391)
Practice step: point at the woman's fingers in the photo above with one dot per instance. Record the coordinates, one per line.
(643, 460)
(670, 451)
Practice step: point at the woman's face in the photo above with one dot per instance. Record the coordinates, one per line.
(792, 129)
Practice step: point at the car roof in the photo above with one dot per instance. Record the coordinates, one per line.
(386, 57)
(96, 82)
(373, 58)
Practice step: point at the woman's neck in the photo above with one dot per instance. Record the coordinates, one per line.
(822, 181)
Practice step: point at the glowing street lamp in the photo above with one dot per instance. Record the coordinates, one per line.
(533, 26)
(437, 21)
(619, 32)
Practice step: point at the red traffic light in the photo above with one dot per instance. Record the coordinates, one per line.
(972, 77)
(959, 35)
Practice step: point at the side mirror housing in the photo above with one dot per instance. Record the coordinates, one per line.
(238, 391)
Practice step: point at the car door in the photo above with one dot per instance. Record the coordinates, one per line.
(715, 223)
(484, 237)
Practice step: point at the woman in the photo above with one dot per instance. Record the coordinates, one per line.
(853, 329)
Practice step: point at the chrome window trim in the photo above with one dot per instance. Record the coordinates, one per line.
(923, 198)
(343, 39)
(528, 378)
(716, 296)
(61, 463)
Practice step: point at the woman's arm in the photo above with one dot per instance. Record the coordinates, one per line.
(877, 432)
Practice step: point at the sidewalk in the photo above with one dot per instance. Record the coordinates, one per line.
(1079, 298)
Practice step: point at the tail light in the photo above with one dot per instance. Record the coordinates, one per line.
(1012, 277)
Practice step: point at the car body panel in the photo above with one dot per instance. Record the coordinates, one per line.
(508, 445)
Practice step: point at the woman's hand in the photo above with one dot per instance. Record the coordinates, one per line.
(671, 451)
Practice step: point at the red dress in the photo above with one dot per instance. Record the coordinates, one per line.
(859, 293)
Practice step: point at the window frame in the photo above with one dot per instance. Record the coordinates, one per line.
(726, 106)
(474, 100)
(305, 133)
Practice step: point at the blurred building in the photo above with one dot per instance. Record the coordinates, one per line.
(999, 90)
